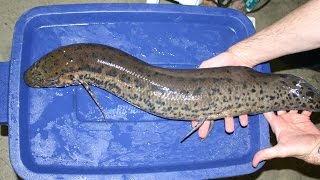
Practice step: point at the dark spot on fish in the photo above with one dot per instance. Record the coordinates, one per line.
(204, 109)
(224, 99)
(71, 76)
(146, 101)
(114, 88)
(117, 90)
(184, 92)
(63, 71)
(134, 96)
(186, 108)
(253, 90)
(229, 106)
(310, 94)
(112, 73)
(162, 103)
(197, 92)
(124, 78)
(151, 106)
(215, 91)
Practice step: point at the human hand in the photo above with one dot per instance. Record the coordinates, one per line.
(223, 59)
(296, 135)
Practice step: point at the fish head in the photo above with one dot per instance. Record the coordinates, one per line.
(56, 69)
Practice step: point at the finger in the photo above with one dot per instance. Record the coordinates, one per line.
(293, 112)
(306, 113)
(266, 154)
(270, 116)
(244, 120)
(194, 123)
(204, 130)
(281, 112)
(222, 59)
(273, 121)
(229, 124)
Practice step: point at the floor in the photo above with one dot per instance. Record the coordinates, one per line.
(288, 168)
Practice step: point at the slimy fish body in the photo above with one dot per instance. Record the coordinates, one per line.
(190, 94)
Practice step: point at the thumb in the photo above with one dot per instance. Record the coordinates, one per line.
(222, 59)
(209, 63)
(266, 154)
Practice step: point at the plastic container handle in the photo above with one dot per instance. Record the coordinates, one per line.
(4, 89)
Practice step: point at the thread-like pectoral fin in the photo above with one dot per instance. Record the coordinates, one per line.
(199, 124)
(88, 89)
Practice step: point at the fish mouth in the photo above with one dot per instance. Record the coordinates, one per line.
(37, 80)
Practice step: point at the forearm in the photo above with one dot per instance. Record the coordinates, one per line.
(298, 31)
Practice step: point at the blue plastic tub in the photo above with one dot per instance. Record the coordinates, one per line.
(58, 133)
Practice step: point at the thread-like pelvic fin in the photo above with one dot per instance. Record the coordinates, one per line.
(88, 89)
(199, 124)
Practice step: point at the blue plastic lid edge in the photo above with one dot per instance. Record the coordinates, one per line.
(4, 89)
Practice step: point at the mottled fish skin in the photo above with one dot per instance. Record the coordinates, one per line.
(211, 93)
